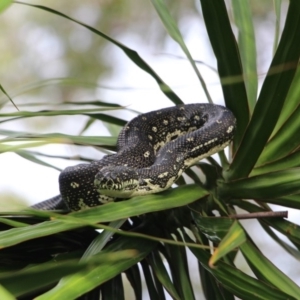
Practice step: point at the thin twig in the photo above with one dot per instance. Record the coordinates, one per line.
(258, 215)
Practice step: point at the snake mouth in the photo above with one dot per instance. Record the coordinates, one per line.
(124, 193)
(116, 181)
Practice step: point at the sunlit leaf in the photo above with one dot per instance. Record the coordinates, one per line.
(5, 294)
(233, 239)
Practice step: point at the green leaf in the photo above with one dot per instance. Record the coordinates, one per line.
(289, 229)
(35, 140)
(237, 282)
(272, 96)
(5, 294)
(134, 277)
(51, 113)
(83, 281)
(268, 271)
(229, 63)
(233, 239)
(101, 240)
(174, 32)
(106, 213)
(75, 157)
(151, 288)
(34, 159)
(277, 8)
(247, 47)
(291, 250)
(292, 201)
(291, 103)
(108, 119)
(112, 289)
(265, 186)
(161, 273)
(3, 5)
(40, 276)
(284, 141)
(12, 223)
(1, 87)
(177, 260)
(290, 161)
(214, 228)
(133, 55)
(211, 287)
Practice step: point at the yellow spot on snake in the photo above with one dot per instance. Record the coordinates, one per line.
(230, 128)
(162, 175)
(181, 119)
(74, 185)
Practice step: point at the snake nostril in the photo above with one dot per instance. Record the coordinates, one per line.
(174, 137)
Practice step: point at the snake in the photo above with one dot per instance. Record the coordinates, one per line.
(153, 150)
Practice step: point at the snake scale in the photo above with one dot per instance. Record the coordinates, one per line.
(153, 150)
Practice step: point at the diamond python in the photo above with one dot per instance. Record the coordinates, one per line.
(153, 150)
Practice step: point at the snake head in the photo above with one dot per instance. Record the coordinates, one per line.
(116, 181)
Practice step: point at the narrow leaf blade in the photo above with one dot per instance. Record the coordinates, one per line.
(233, 239)
(272, 96)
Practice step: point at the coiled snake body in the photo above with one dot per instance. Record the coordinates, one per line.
(153, 150)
